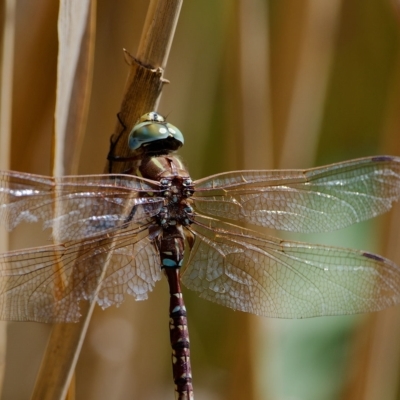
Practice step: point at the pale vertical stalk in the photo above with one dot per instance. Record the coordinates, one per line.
(313, 72)
(256, 127)
(76, 39)
(76, 31)
(7, 65)
(256, 151)
(6, 83)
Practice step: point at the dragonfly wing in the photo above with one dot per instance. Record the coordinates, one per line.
(315, 200)
(77, 207)
(275, 278)
(46, 284)
(134, 269)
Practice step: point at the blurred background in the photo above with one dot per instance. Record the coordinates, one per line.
(255, 84)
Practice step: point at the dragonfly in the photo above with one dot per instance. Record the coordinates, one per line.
(118, 234)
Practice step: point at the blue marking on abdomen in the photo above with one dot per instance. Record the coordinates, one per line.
(166, 262)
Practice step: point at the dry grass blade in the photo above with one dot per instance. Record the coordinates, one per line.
(76, 47)
(254, 90)
(7, 64)
(6, 82)
(75, 69)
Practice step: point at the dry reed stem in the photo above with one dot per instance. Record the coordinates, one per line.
(76, 48)
(145, 80)
(142, 91)
(6, 85)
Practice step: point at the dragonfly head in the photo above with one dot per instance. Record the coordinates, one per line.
(154, 135)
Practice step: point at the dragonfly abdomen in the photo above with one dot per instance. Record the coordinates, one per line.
(171, 245)
(179, 336)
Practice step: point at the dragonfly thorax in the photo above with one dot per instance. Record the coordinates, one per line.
(177, 209)
(175, 185)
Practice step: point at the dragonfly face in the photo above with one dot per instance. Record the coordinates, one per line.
(142, 222)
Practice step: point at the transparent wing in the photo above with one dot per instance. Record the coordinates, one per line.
(76, 206)
(46, 284)
(314, 200)
(275, 278)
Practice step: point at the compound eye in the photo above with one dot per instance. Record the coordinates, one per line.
(152, 127)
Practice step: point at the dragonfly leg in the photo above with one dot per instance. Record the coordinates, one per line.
(179, 335)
